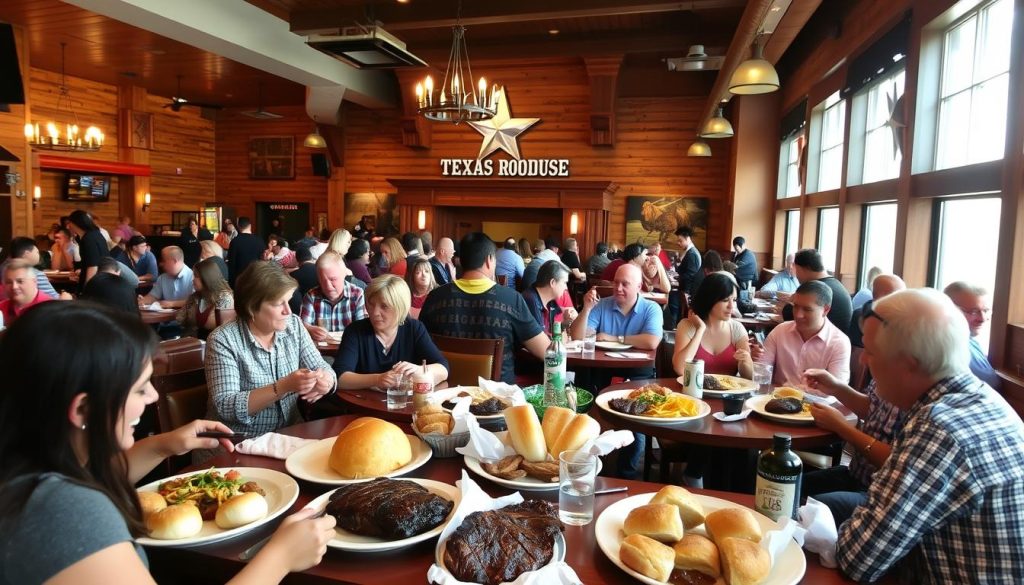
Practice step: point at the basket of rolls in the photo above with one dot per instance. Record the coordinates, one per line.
(432, 424)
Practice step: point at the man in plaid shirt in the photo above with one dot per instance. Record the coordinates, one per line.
(335, 303)
(949, 500)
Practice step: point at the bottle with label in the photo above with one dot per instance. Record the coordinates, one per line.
(422, 386)
(554, 369)
(779, 471)
(693, 378)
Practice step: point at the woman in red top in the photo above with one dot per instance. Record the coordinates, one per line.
(198, 315)
(420, 278)
(710, 334)
(393, 253)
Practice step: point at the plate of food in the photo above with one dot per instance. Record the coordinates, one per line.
(693, 538)
(365, 449)
(477, 550)
(612, 345)
(190, 509)
(653, 404)
(785, 404)
(718, 385)
(486, 406)
(387, 514)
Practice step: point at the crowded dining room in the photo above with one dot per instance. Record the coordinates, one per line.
(604, 292)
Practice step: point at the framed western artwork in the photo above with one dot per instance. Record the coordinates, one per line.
(652, 219)
(272, 157)
(376, 212)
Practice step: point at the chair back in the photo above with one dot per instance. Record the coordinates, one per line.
(182, 398)
(663, 357)
(858, 371)
(178, 355)
(605, 291)
(222, 316)
(502, 279)
(471, 358)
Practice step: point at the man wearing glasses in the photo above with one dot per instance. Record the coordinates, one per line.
(973, 303)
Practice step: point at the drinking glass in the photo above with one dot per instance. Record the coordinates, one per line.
(589, 342)
(763, 377)
(324, 323)
(577, 474)
(398, 398)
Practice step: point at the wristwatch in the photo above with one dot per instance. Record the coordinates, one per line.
(622, 339)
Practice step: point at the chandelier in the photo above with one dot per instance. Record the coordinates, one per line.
(47, 136)
(454, 100)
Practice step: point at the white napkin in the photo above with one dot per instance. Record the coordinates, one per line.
(484, 445)
(633, 355)
(273, 445)
(502, 390)
(818, 531)
(475, 500)
(732, 417)
(809, 397)
(154, 306)
(776, 541)
(607, 442)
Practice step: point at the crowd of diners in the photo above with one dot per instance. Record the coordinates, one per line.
(934, 490)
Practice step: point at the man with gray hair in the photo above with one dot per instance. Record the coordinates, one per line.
(947, 506)
(810, 340)
(441, 262)
(973, 303)
(19, 280)
(782, 284)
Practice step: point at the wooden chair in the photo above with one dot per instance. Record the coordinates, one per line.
(605, 291)
(183, 398)
(471, 358)
(502, 279)
(859, 376)
(222, 316)
(178, 355)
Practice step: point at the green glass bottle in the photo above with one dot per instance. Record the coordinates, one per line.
(554, 369)
(779, 471)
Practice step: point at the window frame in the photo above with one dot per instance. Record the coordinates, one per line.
(789, 215)
(818, 234)
(862, 267)
(936, 230)
(858, 112)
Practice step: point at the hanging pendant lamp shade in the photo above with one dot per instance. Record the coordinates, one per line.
(314, 140)
(755, 75)
(699, 148)
(717, 127)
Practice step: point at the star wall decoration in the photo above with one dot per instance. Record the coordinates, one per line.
(895, 121)
(502, 131)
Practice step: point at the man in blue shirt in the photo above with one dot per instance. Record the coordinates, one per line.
(510, 263)
(973, 303)
(173, 287)
(783, 284)
(746, 264)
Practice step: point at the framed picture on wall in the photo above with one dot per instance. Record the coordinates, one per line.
(272, 157)
(376, 212)
(652, 219)
(136, 129)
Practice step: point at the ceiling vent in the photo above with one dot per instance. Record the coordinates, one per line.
(695, 60)
(366, 47)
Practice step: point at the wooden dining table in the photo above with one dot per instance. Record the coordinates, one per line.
(154, 317)
(601, 360)
(217, 562)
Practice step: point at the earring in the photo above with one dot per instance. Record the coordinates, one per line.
(83, 427)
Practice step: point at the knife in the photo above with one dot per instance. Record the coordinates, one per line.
(250, 552)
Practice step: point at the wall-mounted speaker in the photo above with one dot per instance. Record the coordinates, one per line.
(321, 164)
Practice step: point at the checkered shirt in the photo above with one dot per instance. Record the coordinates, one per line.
(882, 422)
(347, 309)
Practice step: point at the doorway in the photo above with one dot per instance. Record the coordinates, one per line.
(294, 218)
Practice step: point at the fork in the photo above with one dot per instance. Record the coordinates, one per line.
(250, 552)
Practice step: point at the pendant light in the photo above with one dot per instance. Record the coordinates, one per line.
(314, 139)
(755, 75)
(717, 127)
(699, 148)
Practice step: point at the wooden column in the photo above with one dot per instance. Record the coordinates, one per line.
(604, 76)
(415, 128)
(134, 139)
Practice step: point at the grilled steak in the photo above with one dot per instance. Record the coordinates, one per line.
(488, 407)
(388, 508)
(628, 405)
(784, 406)
(712, 383)
(499, 545)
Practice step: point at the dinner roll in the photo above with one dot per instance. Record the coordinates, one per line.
(525, 432)
(241, 510)
(151, 502)
(697, 553)
(732, 522)
(690, 510)
(788, 392)
(658, 521)
(369, 447)
(580, 429)
(556, 418)
(648, 557)
(174, 522)
(744, 562)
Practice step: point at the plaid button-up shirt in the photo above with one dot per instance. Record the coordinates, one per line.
(347, 309)
(950, 498)
(882, 422)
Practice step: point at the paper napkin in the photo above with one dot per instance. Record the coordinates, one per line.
(484, 445)
(732, 417)
(273, 445)
(818, 531)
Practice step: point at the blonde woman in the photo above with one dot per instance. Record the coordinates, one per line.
(420, 278)
(379, 350)
(198, 316)
(211, 249)
(340, 241)
(393, 253)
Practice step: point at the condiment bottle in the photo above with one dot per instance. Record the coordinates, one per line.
(779, 471)
(422, 386)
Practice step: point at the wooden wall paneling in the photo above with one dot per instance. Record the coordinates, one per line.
(604, 76)
(754, 171)
(183, 160)
(12, 137)
(976, 178)
(416, 130)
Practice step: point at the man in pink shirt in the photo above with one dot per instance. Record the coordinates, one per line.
(810, 340)
(20, 287)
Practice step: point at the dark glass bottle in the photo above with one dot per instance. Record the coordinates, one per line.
(779, 471)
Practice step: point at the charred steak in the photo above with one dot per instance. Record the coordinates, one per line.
(499, 545)
(391, 509)
(784, 406)
(488, 407)
(628, 406)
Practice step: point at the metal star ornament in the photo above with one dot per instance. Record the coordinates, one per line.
(895, 121)
(502, 131)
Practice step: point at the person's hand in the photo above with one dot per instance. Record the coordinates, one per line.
(590, 299)
(823, 380)
(167, 304)
(318, 333)
(300, 381)
(323, 385)
(389, 379)
(183, 439)
(301, 541)
(606, 337)
(783, 297)
(742, 355)
(827, 417)
(570, 313)
(406, 368)
(695, 320)
(66, 296)
(756, 350)
(268, 255)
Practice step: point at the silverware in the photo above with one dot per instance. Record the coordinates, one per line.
(250, 552)
(611, 490)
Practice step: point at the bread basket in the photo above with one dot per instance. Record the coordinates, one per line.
(442, 445)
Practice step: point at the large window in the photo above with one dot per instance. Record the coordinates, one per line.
(789, 167)
(973, 90)
(881, 159)
(830, 158)
(878, 241)
(792, 243)
(967, 241)
(828, 236)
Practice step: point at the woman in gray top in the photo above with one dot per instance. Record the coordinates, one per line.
(68, 511)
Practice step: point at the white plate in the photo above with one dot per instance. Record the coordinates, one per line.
(281, 492)
(310, 462)
(557, 555)
(345, 540)
(787, 570)
(745, 385)
(525, 484)
(602, 399)
(756, 403)
(479, 417)
(612, 345)
(335, 336)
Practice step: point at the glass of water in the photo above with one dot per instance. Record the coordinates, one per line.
(763, 377)
(398, 396)
(589, 342)
(577, 474)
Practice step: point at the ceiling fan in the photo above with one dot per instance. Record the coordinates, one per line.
(695, 60)
(177, 102)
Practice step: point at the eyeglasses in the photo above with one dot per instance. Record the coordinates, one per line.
(976, 313)
(868, 311)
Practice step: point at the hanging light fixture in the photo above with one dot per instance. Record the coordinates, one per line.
(755, 75)
(699, 148)
(314, 139)
(455, 101)
(47, 135)
(717, 127)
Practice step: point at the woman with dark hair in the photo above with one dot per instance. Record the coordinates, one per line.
(198, 316)
(525, 250)
(190, 238)
(709, 333)
(70, 458)
(91, 244)
(420, 278)
(357, 257)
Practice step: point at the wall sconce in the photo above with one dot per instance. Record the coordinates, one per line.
(147, 199)
(37, 194)
(574, 223)
(421, 219)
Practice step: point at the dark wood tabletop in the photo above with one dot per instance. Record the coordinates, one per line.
(328, 348)
(153, 317)
(752, 432)
(218, 562)
(575, 360)
(375, 403)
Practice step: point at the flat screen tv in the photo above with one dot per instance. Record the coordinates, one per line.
(87, 187)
